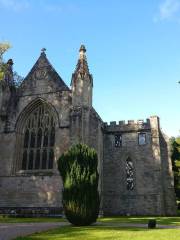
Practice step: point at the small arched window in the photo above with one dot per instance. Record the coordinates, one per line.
(38, 140)
(129, 174)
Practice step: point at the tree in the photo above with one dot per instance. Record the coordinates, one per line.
(175, 157)
(78, 168)
(3, 48)
(16, 78)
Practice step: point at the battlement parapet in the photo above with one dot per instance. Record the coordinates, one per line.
(129, 125)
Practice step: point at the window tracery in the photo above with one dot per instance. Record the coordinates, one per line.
(38, 140)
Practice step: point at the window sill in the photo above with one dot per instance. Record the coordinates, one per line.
(41, 172)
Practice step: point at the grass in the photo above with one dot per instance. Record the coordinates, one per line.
(160, 220)
(110, 229)
(104, 233)
(7, 219)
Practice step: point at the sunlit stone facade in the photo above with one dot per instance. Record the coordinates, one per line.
(43, 117)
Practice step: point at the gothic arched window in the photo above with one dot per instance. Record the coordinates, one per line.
(38, 140)
(129, 174)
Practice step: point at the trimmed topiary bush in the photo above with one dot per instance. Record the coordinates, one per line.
(78, 168)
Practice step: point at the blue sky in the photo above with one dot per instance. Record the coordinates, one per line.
(133, 50)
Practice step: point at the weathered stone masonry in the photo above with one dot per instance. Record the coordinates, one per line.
(43, 117)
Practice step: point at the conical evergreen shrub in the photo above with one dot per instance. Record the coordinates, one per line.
(78, 168)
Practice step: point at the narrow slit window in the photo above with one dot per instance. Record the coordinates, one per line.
(118, 140)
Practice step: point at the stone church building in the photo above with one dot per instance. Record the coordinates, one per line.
(43, 117)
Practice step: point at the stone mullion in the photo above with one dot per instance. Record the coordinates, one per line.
(27, 162)
(20, 152)
(29, 141)
(38, 147)
(48, 148)
(42, 148)
(35, 144)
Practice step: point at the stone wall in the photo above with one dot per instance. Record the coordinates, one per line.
(167, 176)
(30, 191)
(33, 190)
(87, 127)
(147, 197)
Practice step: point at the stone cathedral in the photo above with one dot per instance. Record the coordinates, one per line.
(43, 117)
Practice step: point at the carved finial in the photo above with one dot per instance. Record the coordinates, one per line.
(82, 52)
(43, 50)
(10, 62)
(82, 48)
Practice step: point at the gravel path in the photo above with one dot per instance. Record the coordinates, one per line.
(9, 231)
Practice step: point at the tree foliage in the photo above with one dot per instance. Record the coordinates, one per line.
(17, 79)
(78, 168)
(175, 156)
(4, 46)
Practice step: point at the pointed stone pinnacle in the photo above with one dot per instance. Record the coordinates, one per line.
(43, 50)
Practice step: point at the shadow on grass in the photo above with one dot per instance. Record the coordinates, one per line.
(93, 232)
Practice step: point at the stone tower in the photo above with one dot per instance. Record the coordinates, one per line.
(81, 90)
(82, 82)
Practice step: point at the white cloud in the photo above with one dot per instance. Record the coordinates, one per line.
(169, 9)
(47, 6)
(52, 7)
(14, 5)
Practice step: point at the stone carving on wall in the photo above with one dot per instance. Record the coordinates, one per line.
(129, 174)
(40, 74)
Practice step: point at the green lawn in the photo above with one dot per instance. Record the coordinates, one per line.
(160, 220)
(110, 229)
(104, 233)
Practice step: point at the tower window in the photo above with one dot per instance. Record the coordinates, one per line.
(129, 174)
(118, 140)
(142, 138)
